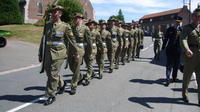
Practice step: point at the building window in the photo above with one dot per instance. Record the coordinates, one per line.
(39, 8)
(85, 15)
(161, 18)
(172, 16)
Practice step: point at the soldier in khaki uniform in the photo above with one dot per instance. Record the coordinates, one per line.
(82, 37)
(95, 38)
(57, 36)
(190, 40)
(107, 41)
(135, 40)
(121, 43)
(126, 37)
(140, 40)
(131, 42)
(112, 28)
(157, 38)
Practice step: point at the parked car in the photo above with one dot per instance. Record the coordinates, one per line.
(3, 34)
(147, 33)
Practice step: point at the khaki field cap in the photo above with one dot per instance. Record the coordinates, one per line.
(112, 19)
(91, 21)
(57, 7)
(197, 10)
(78, 15)
(103, 22)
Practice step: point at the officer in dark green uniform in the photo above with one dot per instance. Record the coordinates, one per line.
(190, 40)
(82, 37)
(57, 36)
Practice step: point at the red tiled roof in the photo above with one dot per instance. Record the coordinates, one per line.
(174, 11)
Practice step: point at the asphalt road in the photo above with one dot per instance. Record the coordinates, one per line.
(136, 87)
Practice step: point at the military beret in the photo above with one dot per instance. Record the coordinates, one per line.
(197, 10)
(78, 15)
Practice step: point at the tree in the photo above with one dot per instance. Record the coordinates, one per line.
(10, 12)
(70, 8)
(120, 15)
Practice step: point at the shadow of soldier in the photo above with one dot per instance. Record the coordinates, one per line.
(40, 88)
(21, 98)
(145, 100)
(191, 90)
(142, 81)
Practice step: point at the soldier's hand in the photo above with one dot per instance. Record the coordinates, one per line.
(40, 59)
(77, 56)
(189, 53)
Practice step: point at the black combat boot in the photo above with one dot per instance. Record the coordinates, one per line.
(62, 90)
(73, 91)
(50, 100)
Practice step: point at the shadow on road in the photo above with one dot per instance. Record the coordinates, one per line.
(40, 88)
(191, 90)
(20, 98)
(145, 100)
(158, 81)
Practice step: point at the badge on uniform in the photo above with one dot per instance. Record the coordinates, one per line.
(80, 35)
(58, 34)
(71, 34)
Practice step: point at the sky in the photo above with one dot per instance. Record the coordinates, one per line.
(135, 9)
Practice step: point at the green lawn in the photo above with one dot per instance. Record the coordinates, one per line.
(29, 33)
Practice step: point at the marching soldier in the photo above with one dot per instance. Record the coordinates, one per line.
(135, 41)
(131, 42)
(57, 36)
(111, 54)
(107, 42)
(121, 43)
(173, 49)
(96, 41)
(126, 37)
(82, 37)
(140, 40)
(190, 41)
(157, 38)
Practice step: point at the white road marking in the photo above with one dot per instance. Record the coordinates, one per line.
(195, 81)
(147, 48)
(26, 104)
(19, 69)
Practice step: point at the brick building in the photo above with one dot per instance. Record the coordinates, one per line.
(33, 10)
(164, 19)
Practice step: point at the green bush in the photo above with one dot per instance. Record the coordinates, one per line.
(10, 12)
